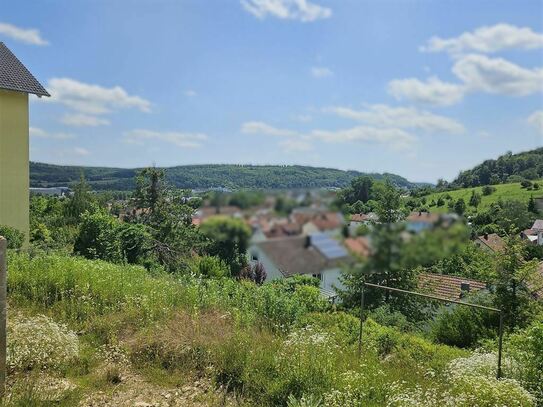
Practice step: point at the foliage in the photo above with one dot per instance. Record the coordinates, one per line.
(528, 164)
(207, 177)
(270, 344)
(80, 202)
(515, 276)
(526, 348)
(97, 238)
(460, 206)
(254, 272)
(210, 267)
(228, 239)
(385, 266)
(14, 237)
(464, 326)
(167, 217)
(501, 192)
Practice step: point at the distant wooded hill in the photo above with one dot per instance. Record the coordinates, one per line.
(506, 169)
(207, 176)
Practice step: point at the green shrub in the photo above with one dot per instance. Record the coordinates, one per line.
(14, 237)
(209, 266)
(462, 326)
(98, 237)
(526, 348)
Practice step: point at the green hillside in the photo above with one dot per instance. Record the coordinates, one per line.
(505, 169)
(512, 191)
(207, 176)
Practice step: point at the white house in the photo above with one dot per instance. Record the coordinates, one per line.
(316, 255)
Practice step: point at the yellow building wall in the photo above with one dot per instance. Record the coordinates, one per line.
(14, 161)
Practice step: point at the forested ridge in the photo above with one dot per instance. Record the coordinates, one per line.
(505, 169)
(207, 176)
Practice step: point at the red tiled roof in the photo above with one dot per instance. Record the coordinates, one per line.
(326, 221)
(283, 230)
(447, 286)
(359, 245)
(491, 241)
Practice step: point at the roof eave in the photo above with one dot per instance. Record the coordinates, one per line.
(38, 94)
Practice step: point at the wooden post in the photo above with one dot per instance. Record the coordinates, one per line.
(3, 313)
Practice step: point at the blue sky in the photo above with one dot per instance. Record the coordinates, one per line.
(419, 88)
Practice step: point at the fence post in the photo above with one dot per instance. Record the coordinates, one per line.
(3, 312)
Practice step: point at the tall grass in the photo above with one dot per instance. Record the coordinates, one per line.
(265, 343)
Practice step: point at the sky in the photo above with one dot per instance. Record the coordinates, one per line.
(421, 88)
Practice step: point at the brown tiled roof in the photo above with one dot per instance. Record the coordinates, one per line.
(14, 75)
(492, 241)
(360, 217)
(292, 255)
(327, 221)
(447, 286)
(359, 245)
(427, 217)
(283, 230)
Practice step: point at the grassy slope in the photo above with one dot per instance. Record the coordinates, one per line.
(175, 330)
(504, 191)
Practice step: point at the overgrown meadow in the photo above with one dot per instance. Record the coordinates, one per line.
(79, 327)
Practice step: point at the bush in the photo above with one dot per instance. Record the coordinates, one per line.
(98, 237)
(40, 343)
(488, 190)
(526, 348)
(462, 326)
(14, 237)
(209, 267)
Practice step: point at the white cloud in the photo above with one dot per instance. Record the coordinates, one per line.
(396, 138)
(83, 120)
(301, 10)
(266, 129)
(80, 151)
(190, 93)
(27, 35)
(536, 120)
(497, 75)
(400, 117)
(487, 39)
(432, 92)
(295, 145)
(392, 137)
(179, 139)
(321, 72)
(92, 99)
(37, 132)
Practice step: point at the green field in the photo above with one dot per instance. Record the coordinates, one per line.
(504, 191)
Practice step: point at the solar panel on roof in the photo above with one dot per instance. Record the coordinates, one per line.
(329, 248)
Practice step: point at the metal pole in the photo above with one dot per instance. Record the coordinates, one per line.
(434, 297)
(361, 321)
(3, 295)
(500, 341)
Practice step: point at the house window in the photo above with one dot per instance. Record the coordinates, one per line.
(319, 276)
(254, 257)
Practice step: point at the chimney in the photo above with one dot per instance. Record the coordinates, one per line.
(464, 288)
(486, 236)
